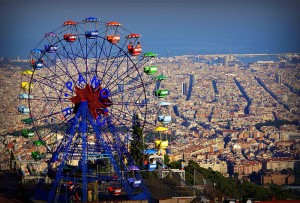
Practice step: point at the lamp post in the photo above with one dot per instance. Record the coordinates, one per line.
(214, 192)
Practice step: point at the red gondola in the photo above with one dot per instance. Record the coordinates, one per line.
(70, 22)
(134, 47)
(70, 37)
(112, 32)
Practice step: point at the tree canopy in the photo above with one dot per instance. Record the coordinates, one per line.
(232, 187)
(136, 143)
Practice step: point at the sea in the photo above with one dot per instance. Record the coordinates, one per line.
(252, 59)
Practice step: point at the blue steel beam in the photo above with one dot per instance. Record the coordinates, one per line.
(129, 158)
(57, 179)
(83, 129)
(109, 151)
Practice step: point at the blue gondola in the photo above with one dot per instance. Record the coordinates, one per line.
(150, 151)
(50, 48)
(91, 34)
(133, 181)
(36, 51)
(38, 65)
(151, 164)
(92, 19)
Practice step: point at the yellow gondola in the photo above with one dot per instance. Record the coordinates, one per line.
(26, 85)
(160, 129)
(161, 144)
(27, 72)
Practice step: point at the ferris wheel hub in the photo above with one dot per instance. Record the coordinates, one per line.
(97, 99)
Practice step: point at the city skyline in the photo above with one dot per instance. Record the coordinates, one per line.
(93, 114)
(167, 27)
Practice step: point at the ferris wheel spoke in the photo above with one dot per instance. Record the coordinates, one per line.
(135, 87)
(42, 90)
(92, 52)
(50, 115)
(70, 55)
(99, 57)
(56, 74)
(129, 104)
(47, 95)
(50, 99)
(74, 54)
(123, 114)
(48, 83)
(103, 49)
(100, 53)
(54, 131)
(93, 46)
(55, 127)
(123, 77)
(107, 67)
(106, 70)
(86, 59)
(116, 70)
(109, 49)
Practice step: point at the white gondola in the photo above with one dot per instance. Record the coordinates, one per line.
(23, 109)
(164, 103)
(164, 119)
(164, 112)
(25, 96)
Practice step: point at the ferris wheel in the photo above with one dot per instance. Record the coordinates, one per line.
(83, 89)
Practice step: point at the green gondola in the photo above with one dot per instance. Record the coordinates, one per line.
(150, 70)
(27, 120)
(161, 93)
(161, 77)
(36, 155)
(27, 133)
(149, 54)
(38, 143)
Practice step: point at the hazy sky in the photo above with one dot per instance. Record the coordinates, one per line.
(177, 27)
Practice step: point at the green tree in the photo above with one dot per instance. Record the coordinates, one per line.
(175, 164)
(232, 187)
(136, 144)
(12, 158)
(166, 159)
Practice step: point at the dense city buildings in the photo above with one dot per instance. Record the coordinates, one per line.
(233, 117)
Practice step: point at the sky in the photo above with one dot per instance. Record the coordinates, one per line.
(168, 27)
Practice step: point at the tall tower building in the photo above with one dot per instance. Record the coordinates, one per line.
(120, 88)
(225, 61)
(184, 89)
(278, 78)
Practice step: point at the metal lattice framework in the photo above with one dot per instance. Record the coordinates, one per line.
(85, 85)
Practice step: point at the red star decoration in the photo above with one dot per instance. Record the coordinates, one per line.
(96, 103)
